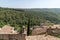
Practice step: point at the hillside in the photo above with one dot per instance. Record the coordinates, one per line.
(18, 17)
(46, 14)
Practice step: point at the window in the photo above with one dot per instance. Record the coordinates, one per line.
(1, 39)
(16, 39)
(10, 38)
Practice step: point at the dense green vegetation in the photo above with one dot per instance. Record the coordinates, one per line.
(19, 17)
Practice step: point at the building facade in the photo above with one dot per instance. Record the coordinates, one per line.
(8, 33)
(12, 37)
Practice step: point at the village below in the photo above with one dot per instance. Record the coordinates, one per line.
(42, 32)
(29, 24)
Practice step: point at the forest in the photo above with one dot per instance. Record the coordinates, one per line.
(19, 17)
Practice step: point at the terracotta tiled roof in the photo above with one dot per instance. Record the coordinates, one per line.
(54, 26)
(41, 37)
(38, 31)
(7, 30)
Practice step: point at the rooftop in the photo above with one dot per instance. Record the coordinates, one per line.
(41, 37)
(7, 29)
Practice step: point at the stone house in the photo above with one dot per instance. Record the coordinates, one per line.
(38, 31)
(8, 33)
(54, 30)
(12, 37)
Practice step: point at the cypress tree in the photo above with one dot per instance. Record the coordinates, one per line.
(28, 28)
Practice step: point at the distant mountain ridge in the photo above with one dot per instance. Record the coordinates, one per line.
(46, 9)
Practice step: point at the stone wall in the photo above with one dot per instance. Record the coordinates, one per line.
(12, 37)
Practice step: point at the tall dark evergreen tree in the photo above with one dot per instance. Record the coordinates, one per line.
(28, 28)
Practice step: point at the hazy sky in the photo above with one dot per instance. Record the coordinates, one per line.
(30, 3)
